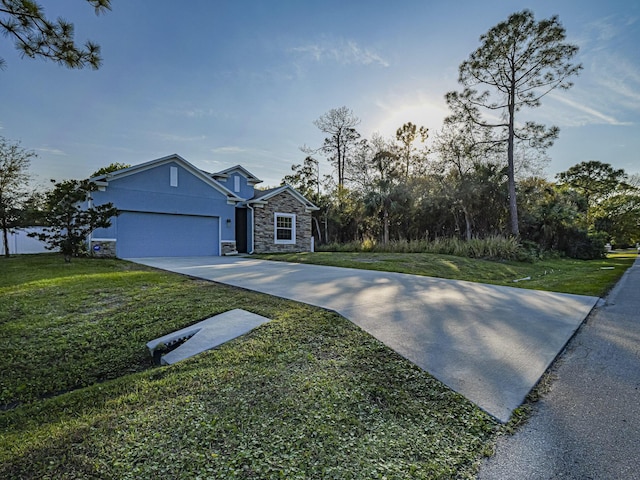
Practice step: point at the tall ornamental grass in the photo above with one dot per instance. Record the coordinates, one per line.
(495, 247)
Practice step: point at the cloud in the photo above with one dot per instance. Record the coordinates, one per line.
(592, 115)
(51, 151)
(170, 137)
(608, 90)
(599, 34)
(344, 52)
(247, 151)
(619, 81)
(229, 150)
(199, 113)
(188, 110)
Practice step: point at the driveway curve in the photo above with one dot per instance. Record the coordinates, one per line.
(489, 343)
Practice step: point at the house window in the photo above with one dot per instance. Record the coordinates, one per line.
(173, 176)
(236, 184)
(284, 228)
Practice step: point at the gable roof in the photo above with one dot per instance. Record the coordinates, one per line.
(104, 179)
(251, 178)
(263, 196)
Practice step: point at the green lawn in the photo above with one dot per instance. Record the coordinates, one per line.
(584, 277)
(308, 395)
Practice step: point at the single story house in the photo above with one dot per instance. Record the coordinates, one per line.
(168, 207)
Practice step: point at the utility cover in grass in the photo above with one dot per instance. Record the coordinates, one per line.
(207, 334)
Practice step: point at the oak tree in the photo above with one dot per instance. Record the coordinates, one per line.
(593, 179)
(14, 178)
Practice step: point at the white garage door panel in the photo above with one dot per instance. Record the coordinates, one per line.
(161, 235)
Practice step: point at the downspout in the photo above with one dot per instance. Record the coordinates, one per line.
(253, 227)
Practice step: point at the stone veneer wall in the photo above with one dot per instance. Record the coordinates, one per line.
(228, 247)
(263, 220)
(103, 248)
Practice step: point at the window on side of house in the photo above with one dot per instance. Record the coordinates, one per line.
(284, 228)
(236, 184)
(173, 176)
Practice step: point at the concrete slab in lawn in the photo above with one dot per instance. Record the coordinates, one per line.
(207, 334)
(487, 342)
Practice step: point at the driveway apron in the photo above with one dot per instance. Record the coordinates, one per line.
(489, 343)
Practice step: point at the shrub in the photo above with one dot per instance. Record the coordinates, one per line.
(580, 244)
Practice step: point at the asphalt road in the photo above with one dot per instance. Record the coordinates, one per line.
(588, 425)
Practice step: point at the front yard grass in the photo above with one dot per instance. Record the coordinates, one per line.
(583, 277)
(308, 395)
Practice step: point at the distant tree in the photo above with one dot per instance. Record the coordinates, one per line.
(385, 190)
(339, 124)
(32, 212)
(70, 220)
(550, 216)
(14, 178)
(594, 180)
(519, 61)
(619, 216)
(305, 178)
(37, 36)
(462, 149)
(407, 136)
(114, 167)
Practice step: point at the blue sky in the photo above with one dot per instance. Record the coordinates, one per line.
(241, 82)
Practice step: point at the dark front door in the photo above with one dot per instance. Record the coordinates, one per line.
(241, 230)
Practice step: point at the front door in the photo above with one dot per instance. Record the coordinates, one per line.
(241, 230)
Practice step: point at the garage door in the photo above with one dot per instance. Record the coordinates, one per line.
(161, 235)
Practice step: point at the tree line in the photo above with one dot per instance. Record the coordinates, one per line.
(398, 190)
(481, 175)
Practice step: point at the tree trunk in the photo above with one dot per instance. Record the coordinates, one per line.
(317, 224)
(513, 204)
(385, 216)
(5, 240)
(467, 223)
(326, 228)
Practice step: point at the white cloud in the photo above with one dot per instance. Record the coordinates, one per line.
(199, 113)
(51, 151)
(229, 150)
(598, 34)
(619, 81)
(589, 114)
(607, 92)
(248, 152)
(344, 52)
(170, 137)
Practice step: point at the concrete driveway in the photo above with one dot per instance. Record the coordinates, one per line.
(486, 342)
